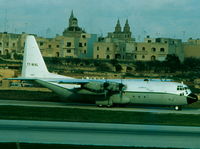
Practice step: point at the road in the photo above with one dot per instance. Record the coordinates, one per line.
(99, 134)
(164, 110)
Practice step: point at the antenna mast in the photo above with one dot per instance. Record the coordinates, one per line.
(5, 21)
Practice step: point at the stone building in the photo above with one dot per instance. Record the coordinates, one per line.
(73, 30)
(80, 44)
(121, 35)
(120, 45)
(10, 43)
(49, 47)
(192, 48)
(158, 49)
(74, 43)
(104, 50)
(117, 45)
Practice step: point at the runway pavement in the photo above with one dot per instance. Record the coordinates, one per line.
(99, 134)
(135, 108)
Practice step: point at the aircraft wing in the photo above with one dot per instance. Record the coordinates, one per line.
(99, 85)
(112, 85)
(60, 80)
(77, 81)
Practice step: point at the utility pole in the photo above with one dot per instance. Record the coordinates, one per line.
(5, 21)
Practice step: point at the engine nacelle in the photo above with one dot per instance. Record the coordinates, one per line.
(102, 86)
(114, 87)
(114, 99)
(94, 86)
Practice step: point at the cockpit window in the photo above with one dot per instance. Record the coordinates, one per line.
(180, 88)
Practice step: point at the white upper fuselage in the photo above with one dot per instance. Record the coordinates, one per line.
(140, 85)
(156, 86)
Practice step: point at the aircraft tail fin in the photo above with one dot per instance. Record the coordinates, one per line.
(33, 62)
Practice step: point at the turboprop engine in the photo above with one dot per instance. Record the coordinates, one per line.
(112, 91)
(102, 86)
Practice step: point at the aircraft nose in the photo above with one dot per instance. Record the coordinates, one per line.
(191, 98)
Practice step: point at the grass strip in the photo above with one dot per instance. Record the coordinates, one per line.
(99, 116)
(63, 146)
(28, 95)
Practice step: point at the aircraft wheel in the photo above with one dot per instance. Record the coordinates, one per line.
(108, 106)
(99, 105)
(178, 108)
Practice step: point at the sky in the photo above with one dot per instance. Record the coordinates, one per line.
(157, 18)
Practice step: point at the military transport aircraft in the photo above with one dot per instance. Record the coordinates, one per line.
(105, 92)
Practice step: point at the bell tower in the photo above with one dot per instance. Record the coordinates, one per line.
(118, 27)
(73, 22)
(126, 27)
(73, 30)
(126, 31)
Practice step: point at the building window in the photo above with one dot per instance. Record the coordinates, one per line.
(41, 43)
(57, 46)
(97, 48)
(85, 51)
(153, 58)
(143, 57)
(7, 43)
(162, 49)
(49, 46)
(57, 54)
(83, 36)
(97, 56)
(158, 40)
(6, 52)
(68, 50)
(135, 56)
(135, 48)
(153, 49)
(117, 56)
(107, 49)
(149, 41)
(0, 44)
(80, 44)
(143, 48)
(69, 44)
(85, 44)
(13, 44)
(108, 57)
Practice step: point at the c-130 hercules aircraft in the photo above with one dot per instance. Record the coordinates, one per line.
(105, 92)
